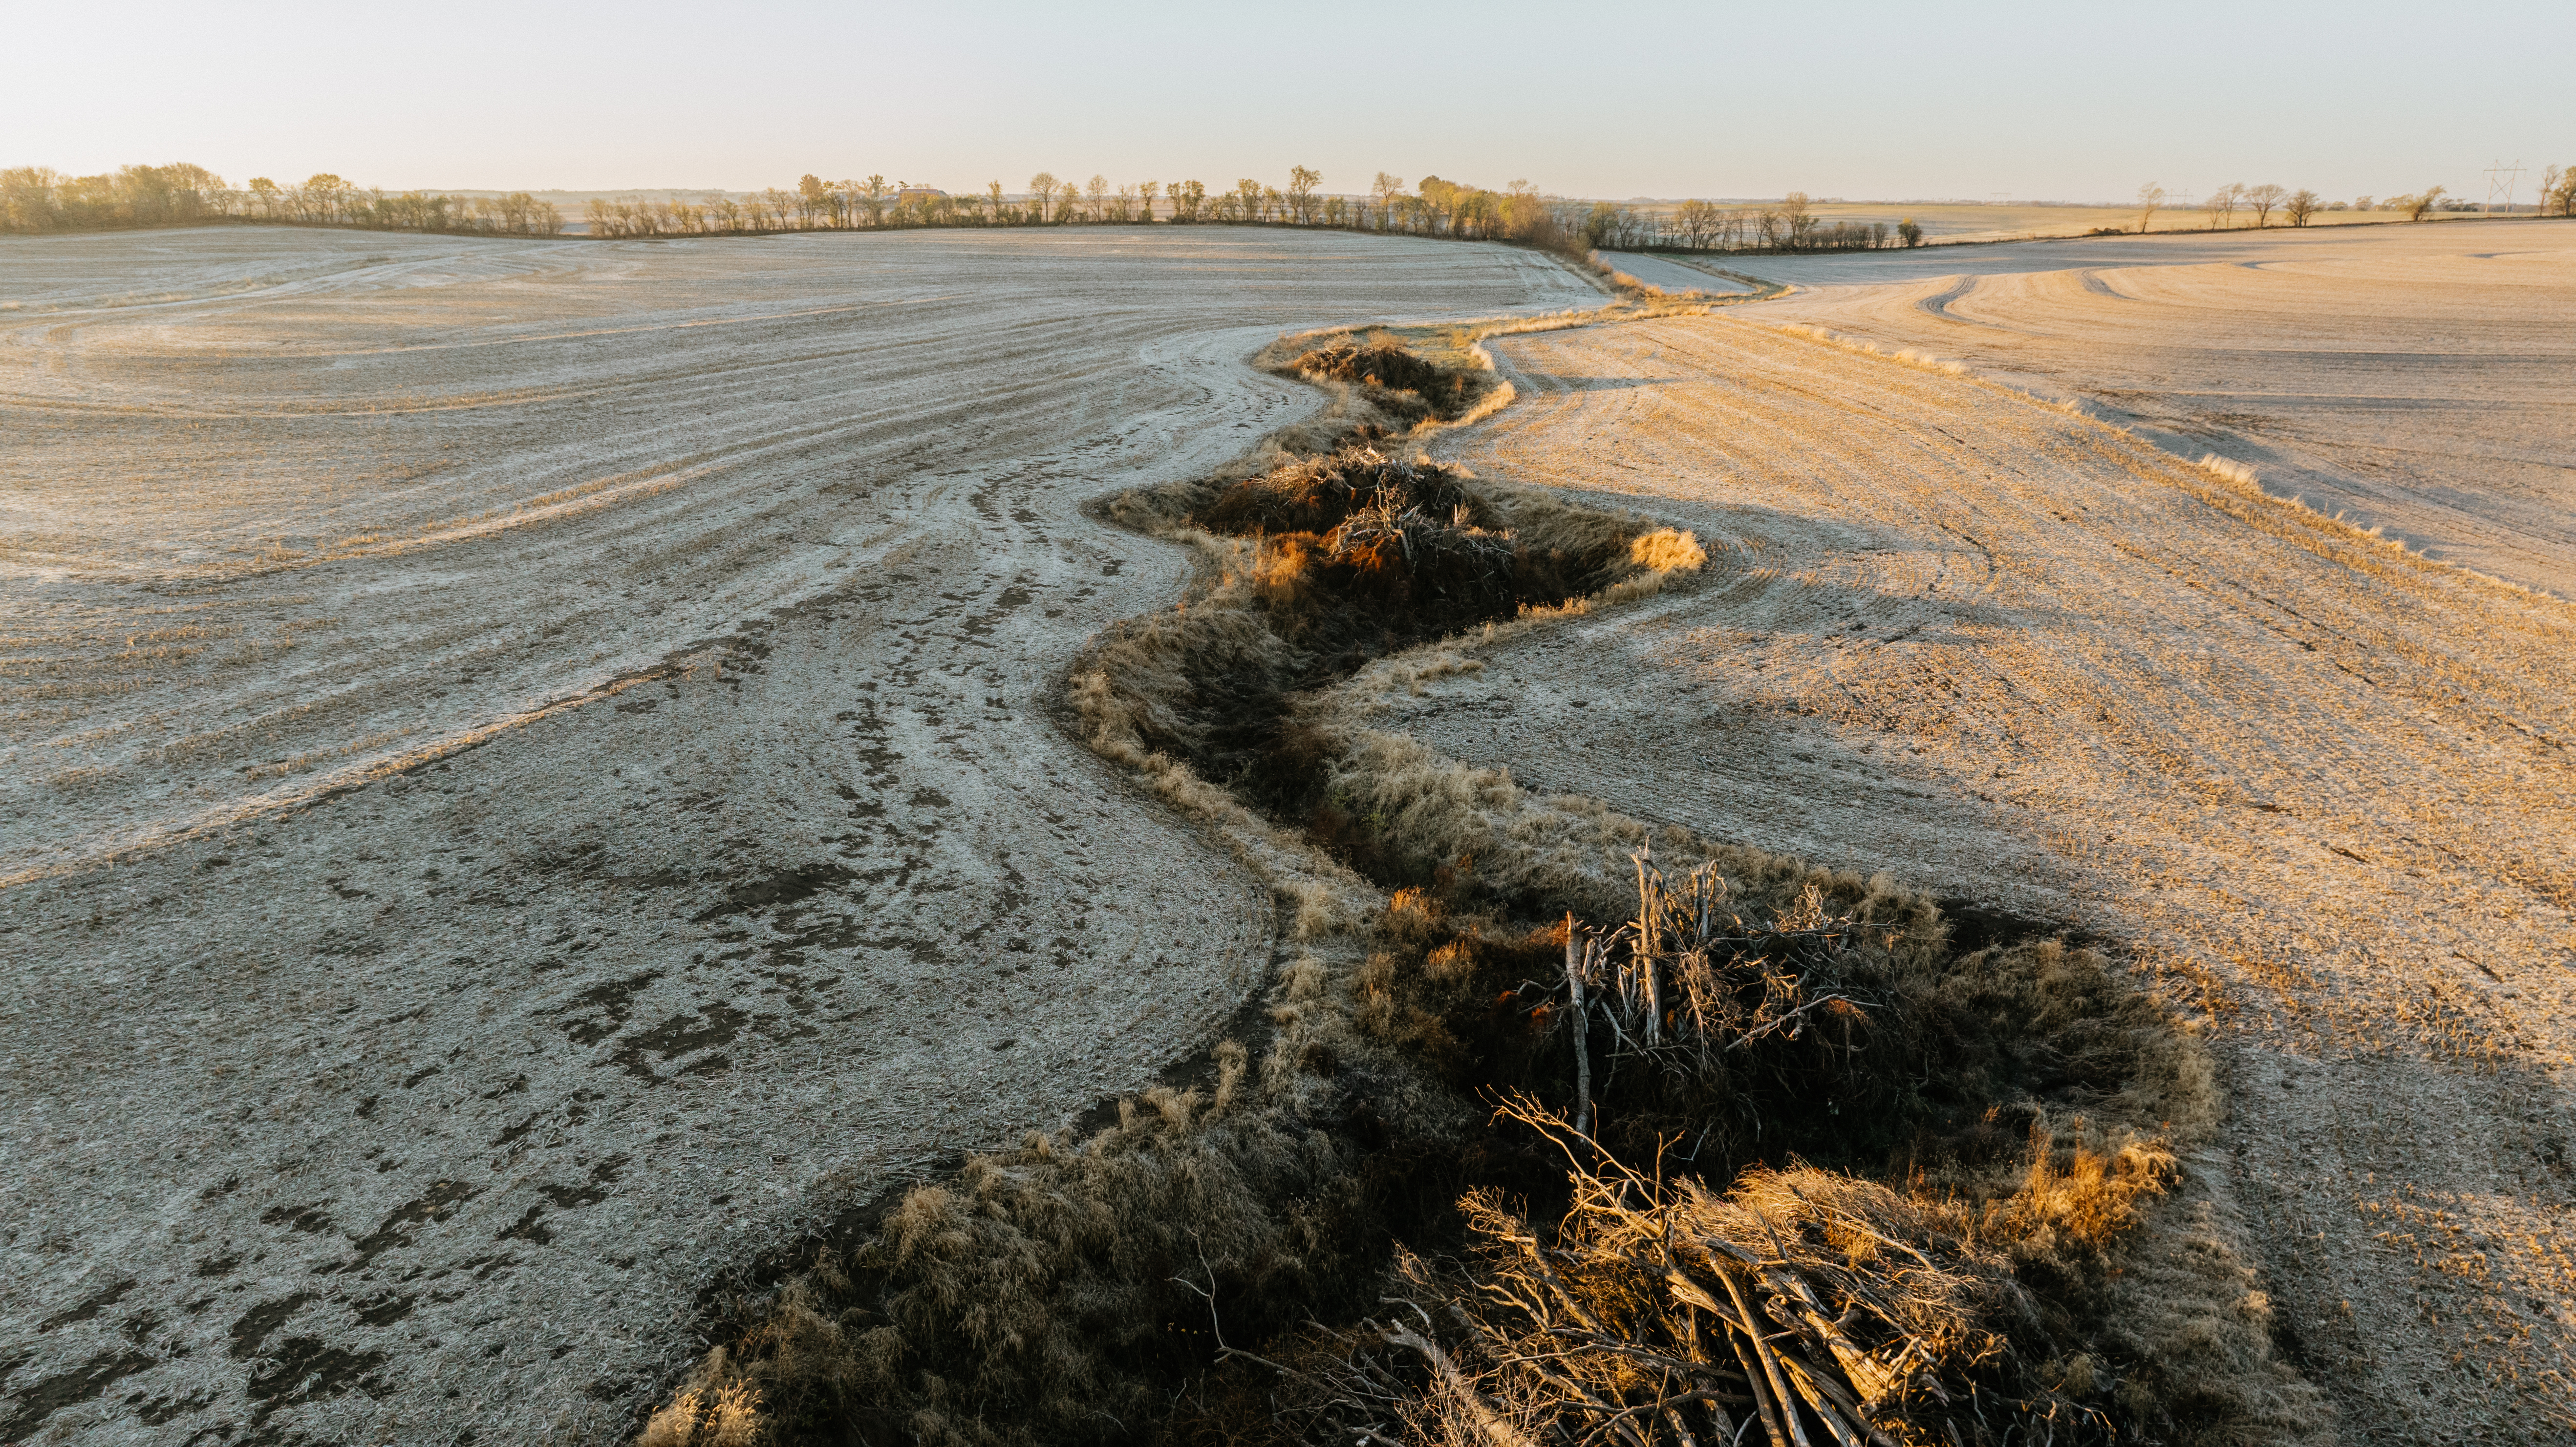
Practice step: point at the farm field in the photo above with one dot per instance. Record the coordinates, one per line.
(2313, 788)
(2005, 221)
(528, 773)
(2413, 378)
(1674, 274)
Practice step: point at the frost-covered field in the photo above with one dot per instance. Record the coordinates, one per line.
(2414, 377)
(525, 776)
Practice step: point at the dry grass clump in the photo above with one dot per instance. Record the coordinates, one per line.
(1810, 1306)
(1398, 382)
(715, 1412)
(1735, 1013)
(1319, 495)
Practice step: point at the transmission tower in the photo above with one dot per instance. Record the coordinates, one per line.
(2502, 180)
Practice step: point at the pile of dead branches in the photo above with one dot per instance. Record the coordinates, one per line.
(1317, 494)
(1809, 1307)
(1393, 369)
(1689, 982)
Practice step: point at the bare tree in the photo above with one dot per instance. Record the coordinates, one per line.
(1442, 198)
(876, 191)
(1097, 188)
(1145, 191)
(2300, 205)
(1796, 221)
(1694, 221)
(2262, 198)
(1385, 189)
(1302, 181)
(2221, 205)
(323, 194)
(1068, 196)
(1042, 189)
(2416, 207)
(2151, 197)
(2548, 188)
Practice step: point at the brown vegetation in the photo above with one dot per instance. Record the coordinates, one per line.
(1939, 1152)
(38, 199)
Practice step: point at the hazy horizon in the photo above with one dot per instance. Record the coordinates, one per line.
(2009, 101)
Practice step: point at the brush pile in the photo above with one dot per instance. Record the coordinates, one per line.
(1361, 554)
(1319, 494)
(1809, 1307)
(1402, 384)
(1688, 983)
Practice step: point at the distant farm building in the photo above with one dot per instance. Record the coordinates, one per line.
(918, 193)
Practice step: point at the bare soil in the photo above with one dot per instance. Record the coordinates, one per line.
(2314, 789)
(528, 782)
(1678, 274)
(2414, 378)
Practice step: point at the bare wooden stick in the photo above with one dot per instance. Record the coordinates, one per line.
(1843, 1436)
(1488, 1421)
(1762, 1407)
(1649, 911)
(1762, 1349)
(1726, 1428)
(1869, 1377)
(1575, 959)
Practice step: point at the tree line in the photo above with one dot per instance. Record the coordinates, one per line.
(2260, 203)
(38, 198)
(1518, 212)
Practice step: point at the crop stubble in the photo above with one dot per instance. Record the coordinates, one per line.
(2413, 377)
(2317, 789)
(528, 776)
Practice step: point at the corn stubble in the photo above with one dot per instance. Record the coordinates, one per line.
(1464, 1191)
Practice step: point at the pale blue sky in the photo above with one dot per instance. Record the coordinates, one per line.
(2070, 101)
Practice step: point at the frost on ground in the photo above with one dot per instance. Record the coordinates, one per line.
(2414, 378)
(526, 778)
(2316, 789)
(1679, 274)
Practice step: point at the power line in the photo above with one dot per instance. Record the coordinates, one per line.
(2502, 180)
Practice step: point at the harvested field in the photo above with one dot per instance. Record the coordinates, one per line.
(529, 780)
(2414, 378)
(2313, 789)
(1675, 274)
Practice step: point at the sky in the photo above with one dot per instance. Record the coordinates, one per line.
(2068, 100)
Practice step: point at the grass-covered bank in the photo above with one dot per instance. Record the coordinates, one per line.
(1565, 1126)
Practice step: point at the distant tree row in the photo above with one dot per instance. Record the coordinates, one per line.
(1437, 208)
(1790, 224)
(2222, 206)
(1434, 207)
(37, 198)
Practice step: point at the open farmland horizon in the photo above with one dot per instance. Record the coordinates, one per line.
(934, 829)
(39, 200)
